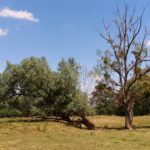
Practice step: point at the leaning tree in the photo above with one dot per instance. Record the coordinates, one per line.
(128, 57)
(69, 100)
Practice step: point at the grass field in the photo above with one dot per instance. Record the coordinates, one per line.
(29, 134)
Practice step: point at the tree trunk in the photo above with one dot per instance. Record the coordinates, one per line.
(66, 118)
(88, 123)
(84, 120)
(129, 116)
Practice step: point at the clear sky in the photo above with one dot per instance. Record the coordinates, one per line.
(56, 28)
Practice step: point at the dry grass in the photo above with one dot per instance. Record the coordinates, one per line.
(26, 134)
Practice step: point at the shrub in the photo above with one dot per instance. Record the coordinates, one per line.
(10, 113)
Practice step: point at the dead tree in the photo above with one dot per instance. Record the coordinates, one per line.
(128, 57)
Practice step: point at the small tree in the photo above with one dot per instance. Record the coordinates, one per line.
(87, 79)
(128, 57)
(103, 98)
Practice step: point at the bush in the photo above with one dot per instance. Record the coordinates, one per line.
(10, 113)
(36, 112)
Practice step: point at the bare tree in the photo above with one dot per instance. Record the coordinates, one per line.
(88, 79)
(128, 59)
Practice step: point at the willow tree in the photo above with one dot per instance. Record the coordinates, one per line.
(25, 85)
(69, 99)
(127, 57)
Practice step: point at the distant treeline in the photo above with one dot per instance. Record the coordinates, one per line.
(106, 101)
(31, 88)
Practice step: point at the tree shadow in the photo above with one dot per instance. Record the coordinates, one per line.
(110, 128)
(142, 127)
(20, 120)
(123, 128)
(42, 119)
(73, 124)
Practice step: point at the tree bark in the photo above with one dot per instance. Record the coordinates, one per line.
(129, 116)
(88, 123)
(84, 120)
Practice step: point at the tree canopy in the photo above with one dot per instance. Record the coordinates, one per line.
(32, 88)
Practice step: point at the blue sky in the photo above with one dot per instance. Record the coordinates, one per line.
(56, 28)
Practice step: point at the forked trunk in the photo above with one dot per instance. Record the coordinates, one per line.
(129, 116)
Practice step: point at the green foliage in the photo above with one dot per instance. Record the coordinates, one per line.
(107, 102)
(22, 85)
(140, 93)
(33, 89)
(103, 99)
(30, 88)
(69, 100)
(79, 105)
(7, 112)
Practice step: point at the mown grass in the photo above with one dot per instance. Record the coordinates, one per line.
(29, 134)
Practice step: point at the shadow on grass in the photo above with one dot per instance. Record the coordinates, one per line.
(123, 128)
(30, 119)
(40, 120)
(34, 120)
(142, 126)
(110, 128)
(54, 119)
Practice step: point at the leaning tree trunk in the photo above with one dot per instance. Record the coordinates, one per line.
(88, 123)
(84, 120)
(129, 116)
